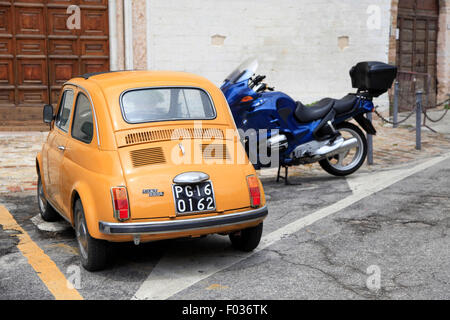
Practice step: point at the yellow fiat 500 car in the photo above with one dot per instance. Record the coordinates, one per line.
(142, 156)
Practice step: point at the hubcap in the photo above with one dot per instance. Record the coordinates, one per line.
(81, 232)
(347, 160)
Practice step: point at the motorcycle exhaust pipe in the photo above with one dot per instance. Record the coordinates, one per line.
(339, 146)
(277, 142)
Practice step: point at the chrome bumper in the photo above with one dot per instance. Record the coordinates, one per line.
(173, 226)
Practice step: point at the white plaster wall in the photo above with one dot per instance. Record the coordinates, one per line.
(295, 41)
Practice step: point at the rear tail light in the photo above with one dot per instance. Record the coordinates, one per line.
(120, 203)
(255, 193)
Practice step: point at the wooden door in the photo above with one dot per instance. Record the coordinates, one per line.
(38, 53)
(416, 50)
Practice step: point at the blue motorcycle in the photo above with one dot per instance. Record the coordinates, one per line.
(300, 134)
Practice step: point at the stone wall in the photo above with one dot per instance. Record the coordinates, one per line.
(443, 50)
(305, 47)
(139, 35)
(120, 37)
(392, 35)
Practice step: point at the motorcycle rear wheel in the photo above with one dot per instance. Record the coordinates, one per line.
(338, 165)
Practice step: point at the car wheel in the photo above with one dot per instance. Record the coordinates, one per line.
(93, 252)
(247, 239)
(45, 208)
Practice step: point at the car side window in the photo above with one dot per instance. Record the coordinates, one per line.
(65, 107)
(83, 126)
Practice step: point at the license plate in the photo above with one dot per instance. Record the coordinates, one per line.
(194, 198)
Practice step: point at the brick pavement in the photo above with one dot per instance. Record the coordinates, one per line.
(17, 160)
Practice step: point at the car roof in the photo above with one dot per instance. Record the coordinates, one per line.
(124, 78)
(108, 86)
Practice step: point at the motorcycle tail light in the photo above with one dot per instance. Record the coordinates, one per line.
(255, 193)
(120, 203)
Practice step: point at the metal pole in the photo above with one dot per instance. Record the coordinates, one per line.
(418, 120)
(395, 104)
(369, 143)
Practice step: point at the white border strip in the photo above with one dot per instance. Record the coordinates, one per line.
(128, 33)
(147, 33)
(112, 17)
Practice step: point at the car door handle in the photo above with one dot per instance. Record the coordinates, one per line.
(62, 148)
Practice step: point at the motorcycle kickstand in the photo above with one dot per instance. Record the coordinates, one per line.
(285, 178)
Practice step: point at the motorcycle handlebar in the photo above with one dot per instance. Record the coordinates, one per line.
(257, 80)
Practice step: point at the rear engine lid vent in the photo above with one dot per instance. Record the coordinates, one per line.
(215, 151)
(147, 136)
(141, 136)
(148, 156)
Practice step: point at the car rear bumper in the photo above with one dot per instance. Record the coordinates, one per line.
(158, 227)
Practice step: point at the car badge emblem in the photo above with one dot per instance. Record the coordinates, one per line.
(153, 192)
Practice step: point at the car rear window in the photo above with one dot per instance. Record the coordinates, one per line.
(162, 104)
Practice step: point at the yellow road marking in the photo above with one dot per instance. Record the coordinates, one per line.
(216, 286)
(45, 268)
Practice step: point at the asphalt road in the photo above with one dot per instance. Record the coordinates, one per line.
(379, 235)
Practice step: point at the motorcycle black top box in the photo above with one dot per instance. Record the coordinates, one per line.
(372, 76)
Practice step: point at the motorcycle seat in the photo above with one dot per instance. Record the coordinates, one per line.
(345, 104)
(316, 111)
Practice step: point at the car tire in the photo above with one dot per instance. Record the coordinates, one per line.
(247, 239)
(45, 208)
(93, 252)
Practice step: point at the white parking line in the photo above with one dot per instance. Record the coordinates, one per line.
(176, 272)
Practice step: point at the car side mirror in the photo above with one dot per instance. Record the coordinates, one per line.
(48, 113)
